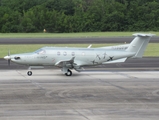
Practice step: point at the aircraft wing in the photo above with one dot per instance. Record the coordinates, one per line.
(115, 61)
(65, 63)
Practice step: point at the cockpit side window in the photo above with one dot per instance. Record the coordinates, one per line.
(40, 51)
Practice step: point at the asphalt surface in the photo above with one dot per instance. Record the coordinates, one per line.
(154, 39)
(50, 95)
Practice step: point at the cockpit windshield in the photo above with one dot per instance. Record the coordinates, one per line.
(40, 51)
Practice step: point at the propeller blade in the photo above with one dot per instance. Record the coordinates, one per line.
(10, 58)
(8, 52)
(8, 62)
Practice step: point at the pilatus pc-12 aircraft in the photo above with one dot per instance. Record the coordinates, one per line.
(68, 58)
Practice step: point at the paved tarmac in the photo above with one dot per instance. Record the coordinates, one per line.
(50, 95)
(89, 40)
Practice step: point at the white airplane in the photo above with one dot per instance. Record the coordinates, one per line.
(68, 58)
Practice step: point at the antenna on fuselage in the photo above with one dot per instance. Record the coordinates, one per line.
(89, 46)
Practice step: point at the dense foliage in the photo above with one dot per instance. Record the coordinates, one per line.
(78, 15)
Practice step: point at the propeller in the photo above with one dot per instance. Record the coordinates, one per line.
(8, 58)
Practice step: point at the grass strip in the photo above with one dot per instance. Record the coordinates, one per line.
(70, 35)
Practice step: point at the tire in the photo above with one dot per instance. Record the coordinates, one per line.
(29, 73)
(69, 73)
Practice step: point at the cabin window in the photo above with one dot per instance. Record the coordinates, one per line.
(73, 53)
(65, 53)
(58, 53)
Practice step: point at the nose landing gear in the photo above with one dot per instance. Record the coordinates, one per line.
(29, 73)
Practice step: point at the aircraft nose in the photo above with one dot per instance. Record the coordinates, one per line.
(7, 57)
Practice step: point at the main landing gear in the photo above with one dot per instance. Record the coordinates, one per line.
(68, 73)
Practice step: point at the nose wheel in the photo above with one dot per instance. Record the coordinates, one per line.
(69, 73)
(29, 73)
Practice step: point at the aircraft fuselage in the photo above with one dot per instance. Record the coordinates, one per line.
(82, 56)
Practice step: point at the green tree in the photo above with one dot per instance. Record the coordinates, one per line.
(78, 15)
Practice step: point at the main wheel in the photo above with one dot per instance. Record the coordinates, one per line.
(69, 73)
(29, 73)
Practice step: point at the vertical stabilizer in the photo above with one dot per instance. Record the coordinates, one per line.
(139, 44)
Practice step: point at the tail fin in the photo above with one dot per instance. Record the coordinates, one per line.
(139, 44)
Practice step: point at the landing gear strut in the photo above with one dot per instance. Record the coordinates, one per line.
(69, 73)
(29, 73)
